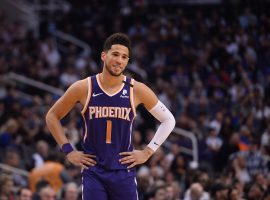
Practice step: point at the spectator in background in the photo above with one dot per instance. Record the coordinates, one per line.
(261, 180)
(70, 191)
(42, 153)
(255, 161)
(196, 192)
(247, 18)
(47, 193)
(6, 188)
(255, 192)
(234, 194)
(204, 179)
(13, 158)
(179, 168)
(229, 147)
(265, 138)
(211, 148)
(8, 132)
(24, 193)
(40, 184)
(170, 193)
(160, 193)
(50, 52)
(68, 77)
(177, 191)
(174, 150)
(240, 169)
(72, 133)
(219, 191)
(144, 180)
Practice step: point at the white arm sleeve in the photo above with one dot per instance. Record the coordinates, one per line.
(162, 114)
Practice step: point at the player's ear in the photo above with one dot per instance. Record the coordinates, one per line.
(103, 55)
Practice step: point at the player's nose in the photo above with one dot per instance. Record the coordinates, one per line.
(119, 59)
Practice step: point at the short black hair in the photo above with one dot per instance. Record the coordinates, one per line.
(21, 189)
(117, 38)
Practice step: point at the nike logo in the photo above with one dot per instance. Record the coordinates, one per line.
(94, 95)
(156, 143)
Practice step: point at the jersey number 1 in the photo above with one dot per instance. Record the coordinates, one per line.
(109, 132)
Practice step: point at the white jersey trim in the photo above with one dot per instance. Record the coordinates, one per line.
(111, 95)
(88, 95)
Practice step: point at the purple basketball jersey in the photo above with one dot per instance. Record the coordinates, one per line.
(108, 123)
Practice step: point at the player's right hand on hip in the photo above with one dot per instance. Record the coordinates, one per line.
(80, 159)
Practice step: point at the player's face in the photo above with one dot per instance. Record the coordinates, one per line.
(116, 59)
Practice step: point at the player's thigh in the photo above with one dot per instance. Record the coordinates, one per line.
(124, 190)
(93, 189)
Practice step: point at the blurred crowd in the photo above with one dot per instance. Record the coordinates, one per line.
(210, 66)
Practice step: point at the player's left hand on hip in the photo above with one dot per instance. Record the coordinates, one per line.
(135, 157)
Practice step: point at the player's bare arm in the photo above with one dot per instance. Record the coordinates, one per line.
(76, 93)
(144, 95)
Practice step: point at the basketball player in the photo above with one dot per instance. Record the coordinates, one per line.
(109, 102)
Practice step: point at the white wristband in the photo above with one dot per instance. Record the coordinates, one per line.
(161, 113)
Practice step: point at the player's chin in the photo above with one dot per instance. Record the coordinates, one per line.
(116, 73)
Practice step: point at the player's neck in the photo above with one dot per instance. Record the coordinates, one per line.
(108, 80)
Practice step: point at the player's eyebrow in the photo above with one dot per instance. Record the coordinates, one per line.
(120, 53)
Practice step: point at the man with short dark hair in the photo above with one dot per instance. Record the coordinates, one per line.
(70, 191)
(24, 193)
(219, 191)
(109, 100)
(47, 193)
